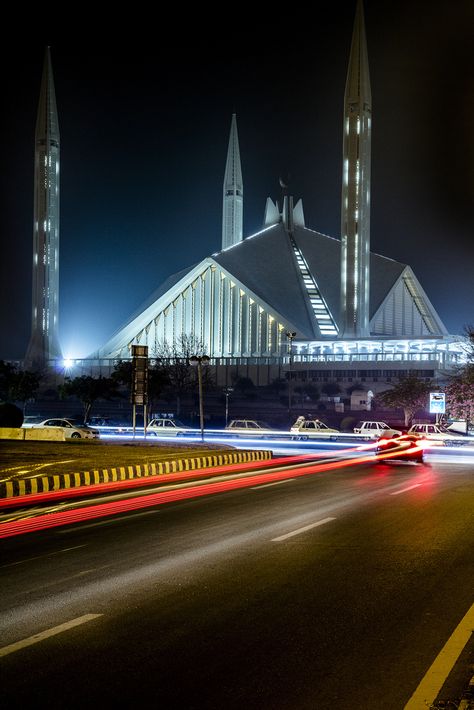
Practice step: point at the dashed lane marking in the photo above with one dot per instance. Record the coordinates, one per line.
(267, 485)
(404, 490)
(39, 557)
(31, 640)
(302, 530)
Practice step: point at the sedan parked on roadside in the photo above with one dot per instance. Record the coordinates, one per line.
(72, 430)
(433, 433)
(310, 429)
(250, 427)
(167, 427)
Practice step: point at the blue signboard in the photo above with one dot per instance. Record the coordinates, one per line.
(437, 403)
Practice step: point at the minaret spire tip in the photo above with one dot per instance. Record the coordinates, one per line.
(232, 212)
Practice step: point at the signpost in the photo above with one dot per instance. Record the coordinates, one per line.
(139, 394)
(437, 404)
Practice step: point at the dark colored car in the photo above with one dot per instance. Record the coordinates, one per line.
(408, 447)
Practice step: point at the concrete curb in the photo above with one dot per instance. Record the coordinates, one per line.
(31, 486)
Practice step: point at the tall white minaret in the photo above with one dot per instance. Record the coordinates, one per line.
(44, 341)
(233, 200)
(355, 212)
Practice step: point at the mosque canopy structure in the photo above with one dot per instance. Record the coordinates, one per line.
(241, 301)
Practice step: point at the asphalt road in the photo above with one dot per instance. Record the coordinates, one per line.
(211, 603)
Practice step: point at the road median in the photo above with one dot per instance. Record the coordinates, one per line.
(113, 465)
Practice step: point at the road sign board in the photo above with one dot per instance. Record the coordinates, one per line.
(437, 403)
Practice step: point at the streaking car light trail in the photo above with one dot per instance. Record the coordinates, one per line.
(228, 469)
(67, 517)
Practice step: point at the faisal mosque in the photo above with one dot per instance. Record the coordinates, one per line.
(284, 297)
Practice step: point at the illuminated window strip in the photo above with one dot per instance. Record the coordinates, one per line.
(419, 303)
(320, 310)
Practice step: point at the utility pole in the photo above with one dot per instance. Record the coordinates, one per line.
(227, 391)
(198, 360)
(291, 336)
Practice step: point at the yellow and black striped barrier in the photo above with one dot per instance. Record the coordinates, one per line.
(44, 484)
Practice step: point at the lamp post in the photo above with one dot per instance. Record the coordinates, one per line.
(197, 361)
(290, 336)
(227, 391)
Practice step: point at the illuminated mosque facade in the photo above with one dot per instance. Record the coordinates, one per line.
(289, 296)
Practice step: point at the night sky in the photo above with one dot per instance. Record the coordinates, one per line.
(145, 114)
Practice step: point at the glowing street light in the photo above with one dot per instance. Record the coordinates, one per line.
(197, 361)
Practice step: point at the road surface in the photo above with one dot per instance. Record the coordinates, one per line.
(334, 590)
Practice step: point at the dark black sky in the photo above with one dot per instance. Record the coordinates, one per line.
(145, 109)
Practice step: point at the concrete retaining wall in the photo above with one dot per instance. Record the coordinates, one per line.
(11, 433)
(30, 486)
(49, 433)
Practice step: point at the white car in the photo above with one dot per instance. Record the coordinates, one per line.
(250, 427)
(310, 428)
(72, 430)
(374, 430)
(433, 433)
(167, 427)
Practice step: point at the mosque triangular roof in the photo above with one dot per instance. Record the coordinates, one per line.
(266, 264)
(267, 267)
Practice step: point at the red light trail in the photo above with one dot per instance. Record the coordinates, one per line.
(66, 517)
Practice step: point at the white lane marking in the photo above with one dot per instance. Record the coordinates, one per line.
(78, 575)
(39, 557)
(130, 516)
(301, 530)
(404, 490)
(427, 691)
(6, 650)
(267, 485)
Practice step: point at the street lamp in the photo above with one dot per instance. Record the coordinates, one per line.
(227, 391)
(198, 360)
(291, 336)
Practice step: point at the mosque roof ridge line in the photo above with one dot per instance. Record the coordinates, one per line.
(321, 234)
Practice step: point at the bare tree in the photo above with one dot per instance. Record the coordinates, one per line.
(174, 360)
(88, 390)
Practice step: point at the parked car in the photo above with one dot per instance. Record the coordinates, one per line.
(433, 433)
(72, 430)
(373, 430)
(460, 426)
(310, 428)
(167, 427)
(250, 427)
(408, 447)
